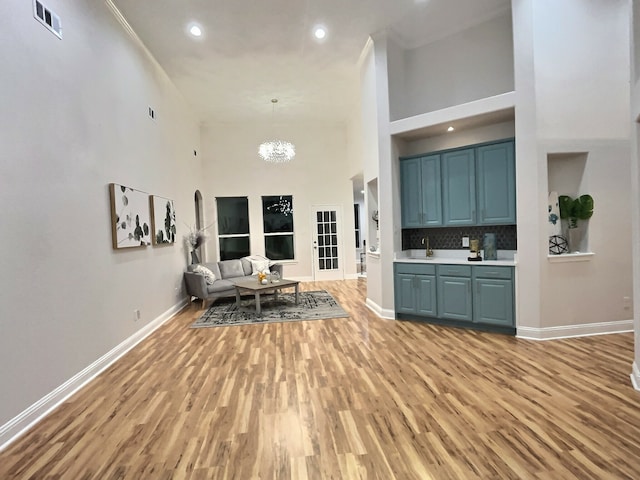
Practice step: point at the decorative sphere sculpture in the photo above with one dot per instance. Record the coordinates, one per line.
(558, 245)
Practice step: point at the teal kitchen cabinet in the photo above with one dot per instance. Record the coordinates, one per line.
(470, 296)
(459, 188)
(421, 192)
(468, 186)
(415, 289)
(454, 292)
(493, 295)
(496, 183)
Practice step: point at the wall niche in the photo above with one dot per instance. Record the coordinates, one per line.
(566, 176)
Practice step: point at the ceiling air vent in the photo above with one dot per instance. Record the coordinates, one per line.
(47, 18)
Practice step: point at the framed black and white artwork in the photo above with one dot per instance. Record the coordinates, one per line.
(163, 220)
(130, 220)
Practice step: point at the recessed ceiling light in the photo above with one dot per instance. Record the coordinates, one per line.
(450, 129)
(195, 30)
(320, 32)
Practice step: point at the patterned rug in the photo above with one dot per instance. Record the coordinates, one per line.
(312, 306)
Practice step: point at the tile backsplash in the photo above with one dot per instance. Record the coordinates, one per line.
(450, 238)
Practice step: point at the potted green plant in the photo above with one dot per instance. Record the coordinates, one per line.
(572, 210)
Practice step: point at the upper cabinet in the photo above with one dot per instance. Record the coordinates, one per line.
(421, 192)
(496, 181)
(460, 187)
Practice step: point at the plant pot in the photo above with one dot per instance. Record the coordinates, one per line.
(574, 238)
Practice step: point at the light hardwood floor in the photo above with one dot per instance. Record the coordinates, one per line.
(349, 398)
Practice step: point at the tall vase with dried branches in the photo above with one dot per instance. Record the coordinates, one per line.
(196, 238)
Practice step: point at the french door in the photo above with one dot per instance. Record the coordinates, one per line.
(327, 242)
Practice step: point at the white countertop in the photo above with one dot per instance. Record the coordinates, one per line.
(457, 257)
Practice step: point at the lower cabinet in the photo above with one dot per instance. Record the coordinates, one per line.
(415, 289)
(493, 295)
(460, 295)
(454, 292)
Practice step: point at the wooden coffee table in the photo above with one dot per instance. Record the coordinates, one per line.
(252, 285)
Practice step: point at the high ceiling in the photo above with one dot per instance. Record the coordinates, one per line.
(254, 50)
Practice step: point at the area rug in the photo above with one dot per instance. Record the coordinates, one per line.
(312, 306)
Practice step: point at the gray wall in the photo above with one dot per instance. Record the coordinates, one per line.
(73, 118)
(473, 64)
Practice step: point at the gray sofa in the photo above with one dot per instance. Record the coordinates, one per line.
(225, 271)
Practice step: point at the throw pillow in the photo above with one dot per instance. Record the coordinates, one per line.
(209, 277)
(231, 268)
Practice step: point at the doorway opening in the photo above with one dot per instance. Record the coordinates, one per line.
(199, 206)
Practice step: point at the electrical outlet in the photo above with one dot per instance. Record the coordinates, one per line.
(465, 241)
(626, 303)
(136, 315)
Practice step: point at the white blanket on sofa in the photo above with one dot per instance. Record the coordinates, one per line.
(259, 264)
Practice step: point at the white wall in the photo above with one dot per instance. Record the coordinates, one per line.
(369, 114)
(473, 64)
(582, 68)
(73, 119)
(594, 291)
(568, 102)
(397, 71)
(370, 157)
(635, 180)
(461, 138)
(318, 175)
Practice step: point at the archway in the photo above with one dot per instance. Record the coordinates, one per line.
(199, 206)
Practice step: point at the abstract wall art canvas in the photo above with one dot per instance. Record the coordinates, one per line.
(163, 220)
(130, 220)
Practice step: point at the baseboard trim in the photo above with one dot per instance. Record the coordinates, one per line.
(374, 307)
(301, 279)
(388, 314)
(635, 376)
(19, 425)
(379, 311)
(570, 331)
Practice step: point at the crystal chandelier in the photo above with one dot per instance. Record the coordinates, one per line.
(276, 151)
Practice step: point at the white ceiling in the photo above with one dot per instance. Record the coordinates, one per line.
(256, 50)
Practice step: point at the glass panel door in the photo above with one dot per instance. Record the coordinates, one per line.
(327, 243)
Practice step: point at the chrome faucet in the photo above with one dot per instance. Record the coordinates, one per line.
(428, 249)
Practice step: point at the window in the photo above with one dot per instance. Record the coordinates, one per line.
(233, 227)
(277, 216)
